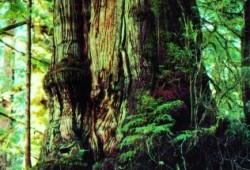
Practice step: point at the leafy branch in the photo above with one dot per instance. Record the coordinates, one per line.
(18, 121)
(12, 26)
(13, 48)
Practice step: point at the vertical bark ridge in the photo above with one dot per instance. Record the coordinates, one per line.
(68, 86)
(105, 63)
(116, 69)
(68, 21)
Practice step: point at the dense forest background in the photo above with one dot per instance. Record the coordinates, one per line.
(157, 84)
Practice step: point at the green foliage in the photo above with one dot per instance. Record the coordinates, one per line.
(129, 155)
(12, 87)
(222, 23)
(238, 130)
(13, 9)
(148, 129)
(184, 135)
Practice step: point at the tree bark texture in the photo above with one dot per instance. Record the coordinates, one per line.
(107, 53)
(68, 87)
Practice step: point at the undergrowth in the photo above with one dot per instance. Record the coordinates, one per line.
(147, 134)
(150, 141)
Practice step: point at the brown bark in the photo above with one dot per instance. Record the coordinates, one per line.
(125, 47)
(116, 67)
(107, 53)
(68, 86)
(28, 89)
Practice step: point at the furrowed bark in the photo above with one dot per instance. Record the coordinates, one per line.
(107, 54)
(125, 47)
(118, 67)
(68, 86)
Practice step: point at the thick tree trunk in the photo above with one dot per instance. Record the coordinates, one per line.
(68, 86)
(117, 68)
(126, 43)
(107, 53)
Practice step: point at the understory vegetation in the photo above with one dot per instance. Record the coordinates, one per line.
(150, 141)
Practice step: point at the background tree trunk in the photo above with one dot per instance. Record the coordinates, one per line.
(28, 89)
(107, 53)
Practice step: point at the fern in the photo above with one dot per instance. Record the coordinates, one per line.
(189, 137)
(163, 118)
(167, 107)
(137, 121)
(153, 129)
(152, 122)
(184, 136)
(165, 129)
(130, 140)
(147, 104)
(127, 156)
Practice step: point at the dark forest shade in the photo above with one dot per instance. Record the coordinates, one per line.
(246, 61)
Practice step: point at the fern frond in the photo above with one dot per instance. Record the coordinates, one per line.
(167, 107)
(130, 140)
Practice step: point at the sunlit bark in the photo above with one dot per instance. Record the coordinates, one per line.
(68, 87)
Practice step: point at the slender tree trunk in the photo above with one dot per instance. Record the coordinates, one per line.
(246, 61)
(107, 54)
(28, 87)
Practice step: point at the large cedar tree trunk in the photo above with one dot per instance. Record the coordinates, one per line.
(107, 53)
